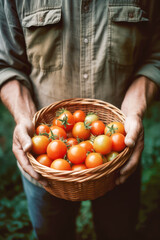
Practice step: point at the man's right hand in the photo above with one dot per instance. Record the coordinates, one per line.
(22, 144)
(16, 97)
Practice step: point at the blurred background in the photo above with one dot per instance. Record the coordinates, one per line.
(14, 219)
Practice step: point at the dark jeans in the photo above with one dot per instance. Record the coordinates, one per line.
(114, 214)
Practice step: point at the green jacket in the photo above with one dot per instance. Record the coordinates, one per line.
(66, 49)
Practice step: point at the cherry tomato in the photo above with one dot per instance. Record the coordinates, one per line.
(54, 122)
(57, 132)
(79, 167)
(109, 157)
(44, 160)
(65, 121)
(60, 164)
(56, 149)
(114, 127)
(97, 127)
(87, 145)
(91, 117)
(118, 143)
(39, 144)
(102, 144)
(80, 130)
(93, 160)
(79, 116)
(76, 154)
(42, 129)
(71, 142)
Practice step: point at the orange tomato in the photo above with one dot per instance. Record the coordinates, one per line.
(42, 129)
(44, 160)
(65, 120)
(57, 132)
(79, 116)
(39, 144)
(54, 122)
(97, 127)
(56, 149)
(102, 144)
(76, 154)
(79, 167)
(60, 164)
(114, 127)
(87, 145)
(93, 160)
(71, 142)
(80, 130)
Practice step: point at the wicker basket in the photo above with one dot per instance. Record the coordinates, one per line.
(87, 184)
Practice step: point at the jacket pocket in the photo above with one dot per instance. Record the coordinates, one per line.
(127, 34)
(43, 36)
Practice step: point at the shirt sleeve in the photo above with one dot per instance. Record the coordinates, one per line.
(13, 58)
(151, 64)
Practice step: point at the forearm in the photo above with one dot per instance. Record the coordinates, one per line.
(16, 97)
(139, 95)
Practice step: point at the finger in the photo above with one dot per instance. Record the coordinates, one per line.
(23, 134)
(25, 164)
(132, 164)
(133, 127)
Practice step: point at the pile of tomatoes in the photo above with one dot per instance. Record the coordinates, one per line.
(77, 141)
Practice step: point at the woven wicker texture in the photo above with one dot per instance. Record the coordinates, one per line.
(87, 184)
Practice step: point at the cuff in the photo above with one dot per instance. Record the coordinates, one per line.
(10, 74)
(151, 72)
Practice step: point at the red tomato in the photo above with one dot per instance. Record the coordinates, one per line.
(114, 127)
(71, 142)
(58, 132)
(102, 144)
(118, 143)
(79, 167)
(87, 145)
(60, 164)
(56, 149)
(80, 130)
(42, 129)
(79, 116)
(44, 160)
(65, 121)
(97, 127)
(93, 160)
(39, 144)
(76, 154)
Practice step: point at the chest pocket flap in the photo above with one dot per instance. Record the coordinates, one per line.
(128, 33)
(43, 36)
(128, 14)
(42, 18)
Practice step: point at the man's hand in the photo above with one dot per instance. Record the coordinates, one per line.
(19, 102)
(22, 144)
(141, 92)
(134, 139)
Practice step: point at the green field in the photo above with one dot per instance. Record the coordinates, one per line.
(14, 220)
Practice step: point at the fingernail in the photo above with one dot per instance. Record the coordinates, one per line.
(26, 147)
(130, 142)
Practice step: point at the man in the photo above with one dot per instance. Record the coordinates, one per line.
(52, 50)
